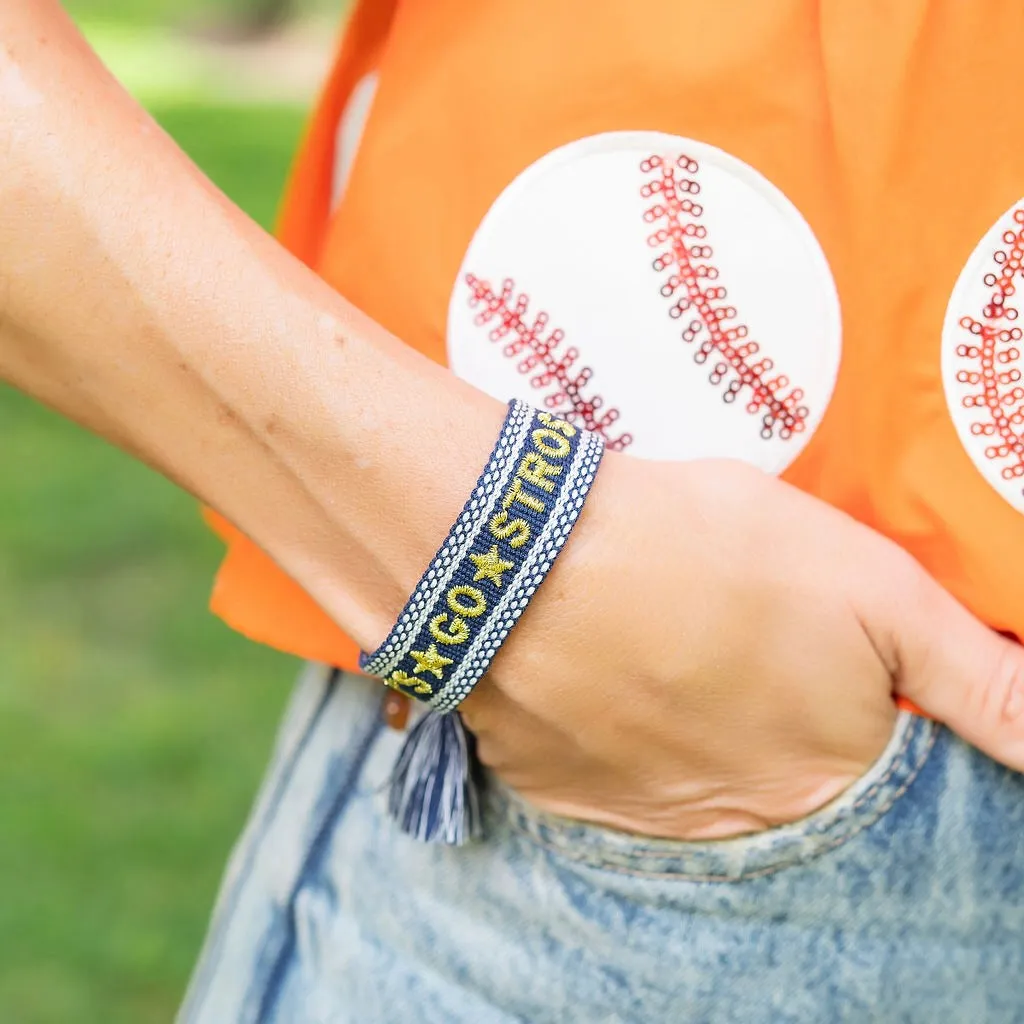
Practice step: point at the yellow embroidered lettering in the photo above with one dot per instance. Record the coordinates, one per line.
(470, 611)
(516, 493)
(556, 424)
(543, 435)
(398, 679)
(515, 531)
(535, 468)
(458, 631)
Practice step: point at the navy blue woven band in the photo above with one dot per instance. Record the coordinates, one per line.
(501, 547)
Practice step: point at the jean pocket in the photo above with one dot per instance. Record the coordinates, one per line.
(744, 857)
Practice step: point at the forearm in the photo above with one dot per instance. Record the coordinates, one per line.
(137, 300)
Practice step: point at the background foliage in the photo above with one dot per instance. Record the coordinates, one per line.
(133, 725)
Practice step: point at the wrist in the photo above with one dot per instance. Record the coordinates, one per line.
(512, 528)
(386, 478)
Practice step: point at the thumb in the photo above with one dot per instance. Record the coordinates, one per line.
(959, 671)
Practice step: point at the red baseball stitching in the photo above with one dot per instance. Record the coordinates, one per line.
(549, 367)
(1000, 397)
(688, 254)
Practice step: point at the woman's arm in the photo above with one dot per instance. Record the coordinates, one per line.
(137, 300)
(714, 651)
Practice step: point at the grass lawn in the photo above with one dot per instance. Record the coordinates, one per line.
(133, 725)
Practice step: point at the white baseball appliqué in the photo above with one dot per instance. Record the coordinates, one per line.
(657, 290)
(349, 133)
(981, 357)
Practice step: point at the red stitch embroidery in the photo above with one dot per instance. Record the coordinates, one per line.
(688, 257)
(1000, 399)
(541, 358)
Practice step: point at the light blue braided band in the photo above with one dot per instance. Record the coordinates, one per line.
(517, 520)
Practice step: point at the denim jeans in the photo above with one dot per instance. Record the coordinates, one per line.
(903, 900)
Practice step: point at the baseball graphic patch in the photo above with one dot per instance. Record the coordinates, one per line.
(657, 290)
(981, 357)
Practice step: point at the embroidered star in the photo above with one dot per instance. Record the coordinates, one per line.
(430, 660)
(398, 678)
(490, 566)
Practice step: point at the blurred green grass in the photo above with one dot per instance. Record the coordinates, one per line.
(168, 12)
(133, 725)
(138, 12)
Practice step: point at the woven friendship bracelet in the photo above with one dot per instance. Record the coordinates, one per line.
(501, 547)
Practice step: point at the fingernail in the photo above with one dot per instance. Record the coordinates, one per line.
(1014, 702)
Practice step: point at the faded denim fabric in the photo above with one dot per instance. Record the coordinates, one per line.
(901, 901)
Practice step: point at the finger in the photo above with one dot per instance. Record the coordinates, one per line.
(961, 672)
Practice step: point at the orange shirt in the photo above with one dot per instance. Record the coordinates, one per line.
(787, 231)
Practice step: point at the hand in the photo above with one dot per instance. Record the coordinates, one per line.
(716, 652)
